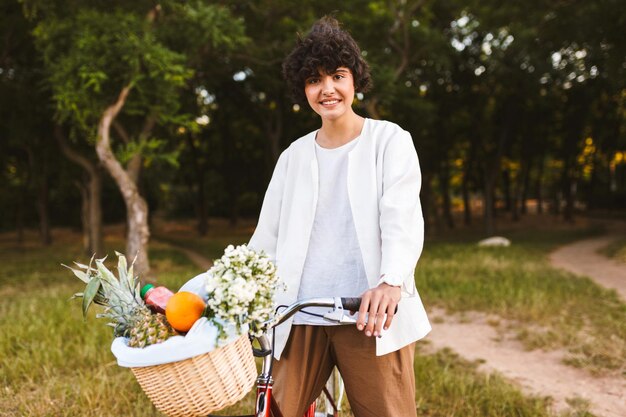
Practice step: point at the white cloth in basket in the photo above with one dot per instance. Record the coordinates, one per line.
(200, 339)
(197, 285)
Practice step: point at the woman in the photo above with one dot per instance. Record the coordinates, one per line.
(342, 217)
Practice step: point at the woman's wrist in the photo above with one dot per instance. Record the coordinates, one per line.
(391, 280)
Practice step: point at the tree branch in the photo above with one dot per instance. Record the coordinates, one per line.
(103, 144)
(71, 154)
(134, 165)
(121, 131)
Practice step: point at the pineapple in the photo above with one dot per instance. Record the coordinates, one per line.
(128, 314)
(150, 329)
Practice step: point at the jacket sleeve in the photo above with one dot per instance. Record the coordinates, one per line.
(401, 219)
(265, 235)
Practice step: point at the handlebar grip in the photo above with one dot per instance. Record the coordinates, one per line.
(351, 303)
(354, 303)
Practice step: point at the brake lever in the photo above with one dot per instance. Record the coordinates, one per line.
(338, 314)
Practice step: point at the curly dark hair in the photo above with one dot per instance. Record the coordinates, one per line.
(326, 47)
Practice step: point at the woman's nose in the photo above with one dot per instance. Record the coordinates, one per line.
(327, 86)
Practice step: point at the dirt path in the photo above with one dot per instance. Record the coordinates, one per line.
(582, 258)
(536, 372)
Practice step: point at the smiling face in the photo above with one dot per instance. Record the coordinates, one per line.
(331, 95)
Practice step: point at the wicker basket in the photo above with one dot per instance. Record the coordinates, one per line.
(200, 385)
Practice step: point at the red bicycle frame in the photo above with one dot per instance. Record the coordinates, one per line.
(266, 407)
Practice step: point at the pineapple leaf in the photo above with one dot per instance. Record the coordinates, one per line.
(83, 276)
(85, 267)
(138, 294)
(131, 269)
(90, 293)
(104, 273)
(121, 266)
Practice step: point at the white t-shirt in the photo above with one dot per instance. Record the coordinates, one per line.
(334, 263)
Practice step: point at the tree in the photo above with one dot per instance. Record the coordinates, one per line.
(113, 66)
(28, 164)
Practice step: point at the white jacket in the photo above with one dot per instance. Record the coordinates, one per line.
(384, 182)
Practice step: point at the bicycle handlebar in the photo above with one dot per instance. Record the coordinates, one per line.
(351, 303)
(282, 316)
(337, 314)
(338, 304)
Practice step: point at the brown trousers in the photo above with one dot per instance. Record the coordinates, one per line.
(376, 386)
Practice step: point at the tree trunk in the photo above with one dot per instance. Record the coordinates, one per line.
(231, 170)
(42, 209)
(467, 204)
(577, 110)
(19, 217)
(84, 216)
(134, 165)
(38, 181)
(136, 207)
(203, 217)
(517, 205)
(492, 171)
(444, 184)
(426, 197)
(525, 186)
(593, 183)
(506, 187)
(274, 132)
(569, 185)
(201, 206)
(93, 204)
(539, 187)
(467, 169)
(96, 235)
(488, 204)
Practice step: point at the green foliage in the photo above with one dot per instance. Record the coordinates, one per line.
(91, 56)
(502, 95)
(151, 149)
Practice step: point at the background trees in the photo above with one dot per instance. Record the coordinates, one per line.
(512, 107)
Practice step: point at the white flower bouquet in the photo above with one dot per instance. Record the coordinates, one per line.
(240, 288)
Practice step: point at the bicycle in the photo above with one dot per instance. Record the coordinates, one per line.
(264, 406)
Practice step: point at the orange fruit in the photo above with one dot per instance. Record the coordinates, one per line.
(183, 309)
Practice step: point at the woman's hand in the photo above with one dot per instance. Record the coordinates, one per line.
(377, 302)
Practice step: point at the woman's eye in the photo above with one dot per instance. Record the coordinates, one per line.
(339, 76)
(312, 80)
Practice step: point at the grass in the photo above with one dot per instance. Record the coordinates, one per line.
(211, 246)
(616, 250)
(53, 363)
(447, 385)
(546, 307)
(450, 386)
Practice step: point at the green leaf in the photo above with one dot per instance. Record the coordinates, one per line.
(81, 266)
(121, 266)
(83, 276)
(105, 274)
(90, 293)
